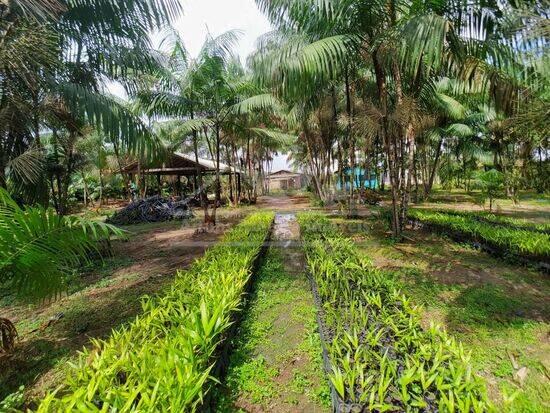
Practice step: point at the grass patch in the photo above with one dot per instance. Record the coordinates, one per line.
(276, 358)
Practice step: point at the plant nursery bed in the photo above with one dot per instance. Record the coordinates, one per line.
(541, 263)
(165, 359)
(378, 357)
(222, 356)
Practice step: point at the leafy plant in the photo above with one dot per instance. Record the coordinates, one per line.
(485, 216)
(515, 241)
(13, 402)
(381, 357)
(39, 248)
(165, 359)
(491, 183)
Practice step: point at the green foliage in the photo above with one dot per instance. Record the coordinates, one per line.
(491, 183)
(382, 359)
(13, 402)
(271, 338)
(515, 241)
(39, 249)
(485, 216)
(163, 360)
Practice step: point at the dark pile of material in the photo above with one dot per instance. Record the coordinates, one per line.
(152, 209)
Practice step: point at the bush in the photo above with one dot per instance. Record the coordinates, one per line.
(381, 358)
(164, 360)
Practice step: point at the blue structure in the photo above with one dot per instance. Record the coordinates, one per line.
(370, 181)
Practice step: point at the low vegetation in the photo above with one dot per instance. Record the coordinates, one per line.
(486, 216)
(499, 311)
(276, 361)
(507, 239)
(164, 359)
(381, 358)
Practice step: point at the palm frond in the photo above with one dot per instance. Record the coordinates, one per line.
(263, 102)
(39, 248)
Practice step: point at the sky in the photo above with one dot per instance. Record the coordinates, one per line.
(219, 16)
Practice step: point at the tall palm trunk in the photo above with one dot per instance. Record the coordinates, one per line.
(431, 178)
(203, 195)
(388, 142)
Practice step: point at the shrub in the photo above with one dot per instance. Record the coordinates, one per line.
(164, 360)
(381, 358)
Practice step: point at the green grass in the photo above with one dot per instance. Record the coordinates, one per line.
(278, 328)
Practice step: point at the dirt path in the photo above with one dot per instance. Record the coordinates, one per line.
(100, 299)
(284, 203)
(276, 364)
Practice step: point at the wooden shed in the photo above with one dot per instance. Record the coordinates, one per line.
(178, 165)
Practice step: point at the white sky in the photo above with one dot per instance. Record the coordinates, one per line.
(219, 16)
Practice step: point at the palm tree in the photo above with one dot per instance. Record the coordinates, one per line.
(39, 249)
(209, 98)
(396, 46)
(55, 59)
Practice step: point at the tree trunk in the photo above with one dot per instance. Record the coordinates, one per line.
(431, 178)
(389, 143)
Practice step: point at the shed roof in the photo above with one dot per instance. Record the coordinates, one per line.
(180, 164)
(284, 172)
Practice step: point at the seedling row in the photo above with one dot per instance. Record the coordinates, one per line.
(165, 359)
(380, 358)
(530, 245)
(501, 220)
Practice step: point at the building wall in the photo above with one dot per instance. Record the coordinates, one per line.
(284, 182)
(371, 181)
